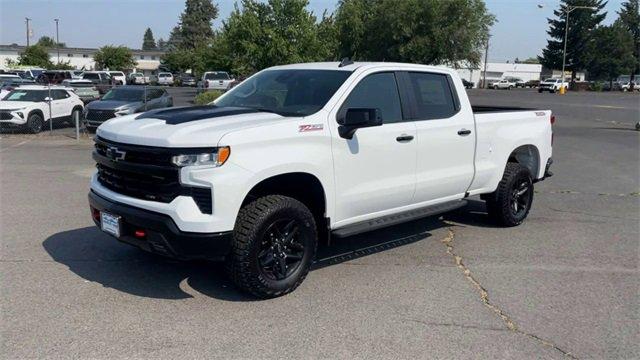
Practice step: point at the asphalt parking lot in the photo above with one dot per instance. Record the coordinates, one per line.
(563, 284)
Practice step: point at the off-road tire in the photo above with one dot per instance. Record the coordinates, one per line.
(35, 123)
(253, 221)
(499, 203)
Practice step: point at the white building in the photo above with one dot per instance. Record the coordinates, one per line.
(82, 58)
(498, 71)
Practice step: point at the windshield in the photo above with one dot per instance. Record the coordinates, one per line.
(164, 75)
(286, 92)
(216, 75)
(121, 94)
(116, 73)
(26, 95)
(91, 76)
(35, 73)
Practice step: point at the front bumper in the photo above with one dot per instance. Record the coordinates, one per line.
(162, 236)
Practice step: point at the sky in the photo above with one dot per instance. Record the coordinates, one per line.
(520, 31)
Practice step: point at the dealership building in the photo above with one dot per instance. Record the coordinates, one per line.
(147, 61)
(498, 71)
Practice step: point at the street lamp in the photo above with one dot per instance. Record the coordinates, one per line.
(28, 30)
(57, 39)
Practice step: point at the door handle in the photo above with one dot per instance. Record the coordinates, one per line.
(464, 132)
(404, 138)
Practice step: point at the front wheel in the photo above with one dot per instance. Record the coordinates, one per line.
(35, 123)
(274, 244)
(509, 205)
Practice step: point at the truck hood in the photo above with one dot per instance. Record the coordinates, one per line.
(168, 127)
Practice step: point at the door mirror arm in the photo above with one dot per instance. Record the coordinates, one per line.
(355, 118)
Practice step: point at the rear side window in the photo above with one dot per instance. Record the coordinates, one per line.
(59, 94)
(377, 91)
(434, 99)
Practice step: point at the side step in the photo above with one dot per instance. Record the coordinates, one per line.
(395, 219)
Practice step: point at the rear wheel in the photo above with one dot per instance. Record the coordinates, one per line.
(509, 205)
(274, 244)
(35, 123)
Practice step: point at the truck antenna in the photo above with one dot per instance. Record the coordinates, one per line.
(345, 62)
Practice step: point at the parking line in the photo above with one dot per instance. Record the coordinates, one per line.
(16, 145)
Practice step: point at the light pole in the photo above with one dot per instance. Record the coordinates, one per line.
(27, 21)
(486, 55)
(57, 39)
(567, 11)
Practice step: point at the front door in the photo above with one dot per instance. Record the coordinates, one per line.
(375, 170)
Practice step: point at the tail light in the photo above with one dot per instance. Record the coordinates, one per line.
(553, 119)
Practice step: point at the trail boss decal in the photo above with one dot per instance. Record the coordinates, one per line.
(310, 127)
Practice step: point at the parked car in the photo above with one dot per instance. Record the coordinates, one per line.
(119, 77)
(552, 85)
(532, 84)
(8, 84)
(29, 74)
(165, 78)
(216, 80)
(125, 100)
(136, 79)
(28, 107)
(77, 74)
(504, 84)
(467, 84)
(85, 89)
(301, 150)
(626, 86)
(101, 79)
(186, 80)
(53, 77)
(516, 81)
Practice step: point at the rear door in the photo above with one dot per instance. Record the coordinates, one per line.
(445, 137)
(60, 103)
(375, 170)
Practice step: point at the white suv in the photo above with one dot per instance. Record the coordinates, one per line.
(165, 78)
(28, 107)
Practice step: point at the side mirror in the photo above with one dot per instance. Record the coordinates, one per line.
(355, 118)
(47, 99)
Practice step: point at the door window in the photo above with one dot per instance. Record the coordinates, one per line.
(59, 94)
(377, 91)
(434, 99)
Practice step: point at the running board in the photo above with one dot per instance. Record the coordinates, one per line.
(395, 219)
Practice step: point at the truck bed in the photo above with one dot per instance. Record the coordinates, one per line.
(488, 109)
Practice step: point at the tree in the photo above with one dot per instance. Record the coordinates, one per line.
(258, 35)
(48, 42)
(629, 17)
(612, 50)
(582, 23)
(148, 42)
(35, 55)
(195, 23)
(114, 58)
(175, 39)
(178, 60)
(420, 31)
(161, 44)
(531, 60)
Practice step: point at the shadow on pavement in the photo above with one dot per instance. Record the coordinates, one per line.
(96, 257)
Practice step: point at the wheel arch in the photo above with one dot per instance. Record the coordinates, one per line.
(527, 156)
(302, 186)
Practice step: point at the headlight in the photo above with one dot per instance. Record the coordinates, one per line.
(125, 111)
(215, 158)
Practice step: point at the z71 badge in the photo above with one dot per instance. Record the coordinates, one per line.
(310, 127)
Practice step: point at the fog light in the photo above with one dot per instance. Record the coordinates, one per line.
(95, 213)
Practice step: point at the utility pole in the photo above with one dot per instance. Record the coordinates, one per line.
(57, 39)
(28, 30)
(486, 56)
(568, 10)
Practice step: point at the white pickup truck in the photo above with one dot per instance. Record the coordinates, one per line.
(552, 85)
(300, 152)
(216, 80)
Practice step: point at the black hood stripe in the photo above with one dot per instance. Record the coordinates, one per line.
(181, 115)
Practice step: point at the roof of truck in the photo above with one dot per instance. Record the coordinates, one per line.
(351, 67)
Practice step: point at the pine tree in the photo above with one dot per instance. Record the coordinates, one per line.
(630, 19)
(582, 23)
(148, 42)
(195, 23)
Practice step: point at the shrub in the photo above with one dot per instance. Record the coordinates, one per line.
(207, 97)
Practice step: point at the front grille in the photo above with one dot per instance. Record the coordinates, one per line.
(100, 115)
(5, 115)
(144, 173)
